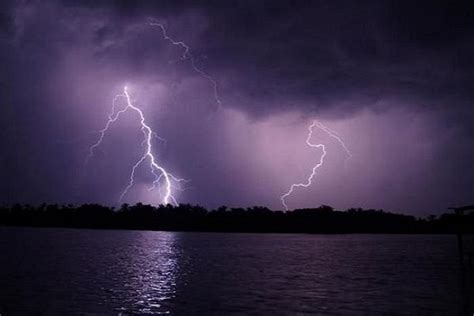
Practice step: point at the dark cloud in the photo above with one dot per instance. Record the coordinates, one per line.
(357, 52)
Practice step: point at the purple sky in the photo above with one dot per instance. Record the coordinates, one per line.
(392, 78)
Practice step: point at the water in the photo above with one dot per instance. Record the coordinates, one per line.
(69, 271)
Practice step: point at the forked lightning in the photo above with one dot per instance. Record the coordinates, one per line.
(309, 181)
(160, 174)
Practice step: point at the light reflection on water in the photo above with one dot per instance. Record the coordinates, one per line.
(154, 268)
(64, 271)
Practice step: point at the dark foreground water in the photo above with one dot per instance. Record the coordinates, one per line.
(64, 271)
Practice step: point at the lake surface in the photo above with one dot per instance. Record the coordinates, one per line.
(71, 271)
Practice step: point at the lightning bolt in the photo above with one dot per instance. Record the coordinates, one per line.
(313, 172)
(112, 118)
(309, 181)
(187, 55)
(334, 135)
(160, 174)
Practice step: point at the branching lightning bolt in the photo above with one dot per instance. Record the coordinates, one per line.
(309, 181)
(334, 135)
(313, 172)
(112, 118)
(160, 174)
(187, 55)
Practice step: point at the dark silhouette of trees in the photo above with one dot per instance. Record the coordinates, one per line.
(185, 217)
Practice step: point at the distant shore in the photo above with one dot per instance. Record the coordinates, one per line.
(321, 220)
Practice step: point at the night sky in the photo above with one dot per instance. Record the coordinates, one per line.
(394, 79)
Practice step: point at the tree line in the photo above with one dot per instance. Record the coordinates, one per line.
(185, 217)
